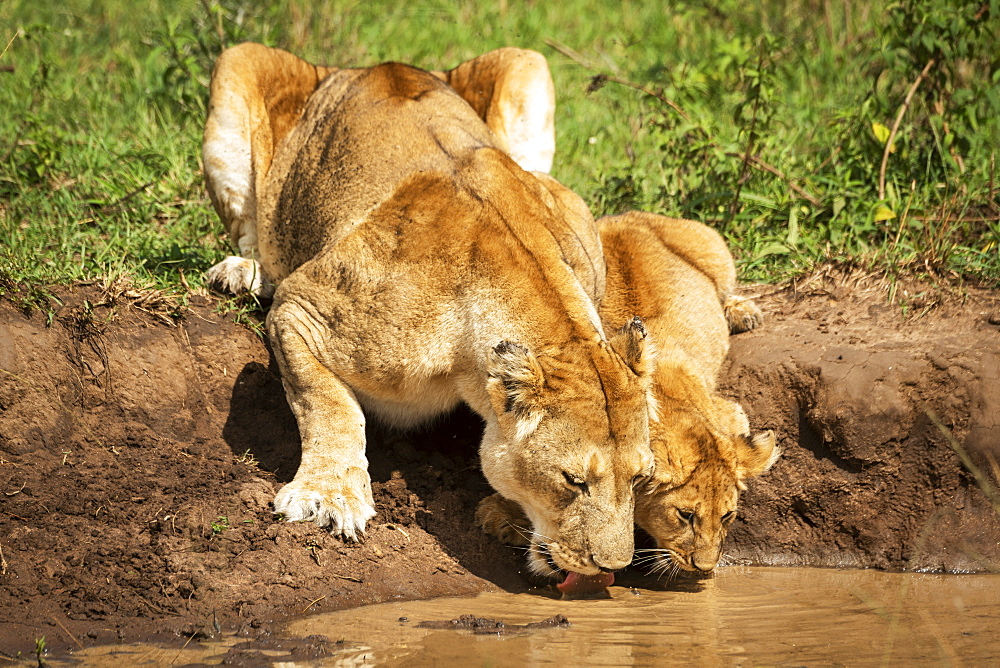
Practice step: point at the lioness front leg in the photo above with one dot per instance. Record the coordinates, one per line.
(331, 486)
(499, 516)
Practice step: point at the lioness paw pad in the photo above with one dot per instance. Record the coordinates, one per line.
(345, 511)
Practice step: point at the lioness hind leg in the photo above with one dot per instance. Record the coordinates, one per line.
(257, 95)
(512, 90)
(332, 486)
(503, 518)
(742, 314)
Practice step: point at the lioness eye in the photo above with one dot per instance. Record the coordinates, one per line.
(577, 483)
(686, 515)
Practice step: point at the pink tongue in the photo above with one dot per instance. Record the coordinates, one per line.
(577, 585)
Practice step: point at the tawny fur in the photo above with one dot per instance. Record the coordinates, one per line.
(418, 265)
(258, 95)
(680, 278)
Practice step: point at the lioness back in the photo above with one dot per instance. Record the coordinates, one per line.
(334, 167)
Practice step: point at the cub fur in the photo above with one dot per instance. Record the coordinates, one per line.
(680, 278)
(418, 265)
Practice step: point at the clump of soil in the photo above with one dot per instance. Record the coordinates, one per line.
(485, 626)
(139, 454)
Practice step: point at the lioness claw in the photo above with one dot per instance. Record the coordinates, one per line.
(344, 512)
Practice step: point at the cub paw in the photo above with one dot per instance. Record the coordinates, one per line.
(238, 275)
(342, 503)
(504, 519)
(742, 314)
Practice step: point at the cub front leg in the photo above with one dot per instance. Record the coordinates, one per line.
(331, 487)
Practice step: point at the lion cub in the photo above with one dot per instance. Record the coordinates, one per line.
(680, 278)
(418, 265)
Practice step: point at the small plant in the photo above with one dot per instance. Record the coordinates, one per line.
(40, 652)
(220, 524)
(248, 458)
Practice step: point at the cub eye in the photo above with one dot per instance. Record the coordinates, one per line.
(579, 484)
(728, 517)
(686, 515)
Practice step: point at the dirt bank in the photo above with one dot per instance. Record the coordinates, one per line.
(138, 455)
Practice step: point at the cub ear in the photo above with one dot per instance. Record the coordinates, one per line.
(755, 454)
(632, 343)
(514, 383)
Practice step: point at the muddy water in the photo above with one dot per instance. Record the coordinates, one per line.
(742, 616)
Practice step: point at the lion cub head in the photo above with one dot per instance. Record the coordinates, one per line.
(703, 458)
(570, 444)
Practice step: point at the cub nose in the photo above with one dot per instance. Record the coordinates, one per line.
(703, 567)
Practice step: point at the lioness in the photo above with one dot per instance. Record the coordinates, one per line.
(680, 278)
(417, 266)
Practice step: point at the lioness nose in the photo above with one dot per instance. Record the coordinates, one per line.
(607, 565)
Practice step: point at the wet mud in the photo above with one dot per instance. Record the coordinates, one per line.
(139, 453)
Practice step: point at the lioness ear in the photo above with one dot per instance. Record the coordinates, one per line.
(514, 384)
(632, 343)
(755, 454)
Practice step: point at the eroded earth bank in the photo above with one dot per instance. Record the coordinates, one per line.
(139, 452)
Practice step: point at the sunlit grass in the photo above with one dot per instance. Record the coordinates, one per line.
(763, 122)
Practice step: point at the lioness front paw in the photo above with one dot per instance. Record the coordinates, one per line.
(238, 275)
(742, 314)
(503, 518)
(343, 503)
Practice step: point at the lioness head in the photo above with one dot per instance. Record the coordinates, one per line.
(569, 444)
(702, 461)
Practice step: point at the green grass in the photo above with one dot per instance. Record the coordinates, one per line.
(712, 113)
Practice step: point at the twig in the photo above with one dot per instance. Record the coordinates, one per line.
(66, 631)
(583, 62)
(346, 577)
(3, 562)
(399, 529)
(17, 491)
(117, 205)
(985, 484)
(757, 162)
(16, 377)
(16, 33)
(311, 604)
(895, 126)
(184, 647)
(968, 219)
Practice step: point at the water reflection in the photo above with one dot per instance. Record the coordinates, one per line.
(740, 617)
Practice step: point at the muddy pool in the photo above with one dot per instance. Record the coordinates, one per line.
(741, 616)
